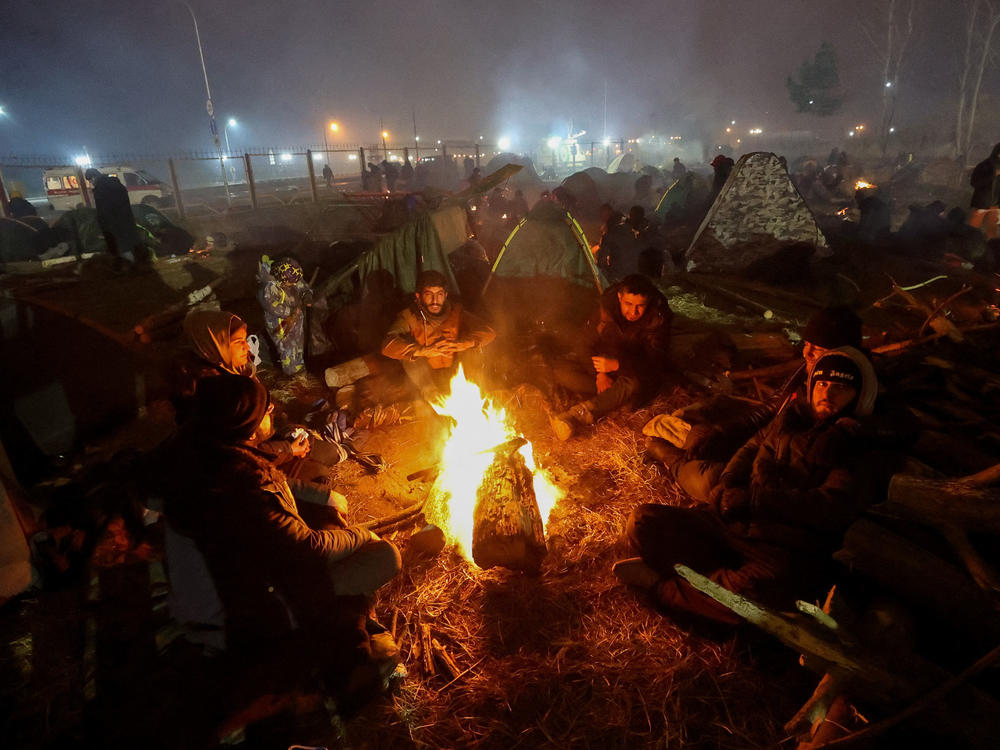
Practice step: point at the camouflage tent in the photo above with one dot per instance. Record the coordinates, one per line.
(758, 213)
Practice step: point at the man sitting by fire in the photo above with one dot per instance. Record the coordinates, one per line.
(434, 334)
(628, 356)
(779, 509)
(284, 573)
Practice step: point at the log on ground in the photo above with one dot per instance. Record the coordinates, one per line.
(507, 525)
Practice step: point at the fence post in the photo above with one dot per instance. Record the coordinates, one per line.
(84, 190)
(4, 205)
(178, 202)
(312, 175)
(250, 183)
(364, 167)
(477, 154)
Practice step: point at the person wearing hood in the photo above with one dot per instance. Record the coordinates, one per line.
(285, 295)
(695, 443)
(281, 570)
(431, 335)
(780, 508)
(219, 346)
(985, 182)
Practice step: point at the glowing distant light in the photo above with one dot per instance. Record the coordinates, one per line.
(850, 133)
(385, 134)
(859, 127)
(607, 142)
(504, 142)
(286, 157)
(729, 130)
(439, 143)
(892, 130)
(732, 122)
(232, 122)
(334, 127)
(2, 111)
(888, 84)
(756, 131)
(810, 101)
(82, 161)
(352, 157)
(416, 138)
(553, 142)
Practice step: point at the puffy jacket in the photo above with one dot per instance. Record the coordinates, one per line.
(415, 329)
(804, 478)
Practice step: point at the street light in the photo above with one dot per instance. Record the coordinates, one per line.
(209, 107)
(231, 123)
(385, 148)
(334, 128)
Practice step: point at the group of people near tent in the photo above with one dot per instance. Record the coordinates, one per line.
(775, 484)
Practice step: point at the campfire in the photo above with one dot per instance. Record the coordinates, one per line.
(490, 498)
(863, 184)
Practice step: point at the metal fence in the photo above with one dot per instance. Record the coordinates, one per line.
(205, 182)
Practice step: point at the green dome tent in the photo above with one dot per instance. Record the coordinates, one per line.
(545, 276)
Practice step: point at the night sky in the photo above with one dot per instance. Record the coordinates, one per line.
(117, 75)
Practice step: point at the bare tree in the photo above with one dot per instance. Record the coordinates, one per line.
(982, 17)
(890, 33)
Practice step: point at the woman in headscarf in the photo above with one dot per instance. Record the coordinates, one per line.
(219, 345)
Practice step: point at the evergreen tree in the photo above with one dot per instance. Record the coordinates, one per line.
(817, 90)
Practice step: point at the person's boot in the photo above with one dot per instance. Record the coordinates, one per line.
(634, 571)
(566, 423)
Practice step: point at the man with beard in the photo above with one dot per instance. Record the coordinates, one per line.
(779, 510)
(628, 356)
(431, 335)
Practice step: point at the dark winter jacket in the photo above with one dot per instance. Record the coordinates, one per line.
(801, 478)
(985, 182)
(642, 348)
(265, 559)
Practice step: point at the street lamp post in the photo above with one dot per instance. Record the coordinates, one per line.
(385, 147)
(334, 128)
(208, 104)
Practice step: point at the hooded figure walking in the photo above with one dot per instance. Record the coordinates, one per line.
(285, 295)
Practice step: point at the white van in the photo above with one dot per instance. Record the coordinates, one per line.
(62, 186)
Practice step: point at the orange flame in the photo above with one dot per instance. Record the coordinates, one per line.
(863, 184)
(478, 427)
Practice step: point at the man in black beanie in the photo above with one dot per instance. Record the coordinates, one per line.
(779, 509)
(705, 436)
(277, 567)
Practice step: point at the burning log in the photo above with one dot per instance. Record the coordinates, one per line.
(507, 525)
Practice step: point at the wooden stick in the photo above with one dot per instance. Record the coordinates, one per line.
(427, 647)
(445, 658)
(392, 626)
(814, 710)
(937, 310)
(784, 368)
(917, 706)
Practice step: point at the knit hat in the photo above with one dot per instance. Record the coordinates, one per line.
(833, 327)
(847, 365)
(837, 368)
(230, 407)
